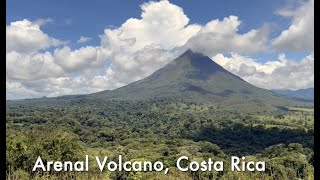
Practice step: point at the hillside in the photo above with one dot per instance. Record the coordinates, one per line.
(300, 93)
(194, 77)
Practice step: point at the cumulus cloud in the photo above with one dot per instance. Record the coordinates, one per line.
(26, 36)
(83, 39)
(84, 58)
(20, 67)
(135, 50)
(222, 37)
(300, 35)
(141, 46)
(277, 74)
(133, 67)
(63, 85)
(15, 90)
(161, 23)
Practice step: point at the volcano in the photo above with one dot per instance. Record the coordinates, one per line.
(190, 78)
(194, 77)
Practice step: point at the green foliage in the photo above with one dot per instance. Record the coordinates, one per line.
(24, 147)
(160, 129)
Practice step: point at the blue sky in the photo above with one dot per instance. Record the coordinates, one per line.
(69, 20)
(74, 18)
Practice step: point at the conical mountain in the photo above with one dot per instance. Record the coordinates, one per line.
(194, 77)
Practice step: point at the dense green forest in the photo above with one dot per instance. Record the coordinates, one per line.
(157, 129)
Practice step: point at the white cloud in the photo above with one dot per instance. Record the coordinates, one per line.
(85, 58)
(41, 22)
(26, 36)
(277, 74)
(141, 46)
(135, 66)
(133, 51)
(63, 85)
(162, 24)
(15, 90)
(300, 35)
(84, 39)
(34, 66)
(223, 37)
